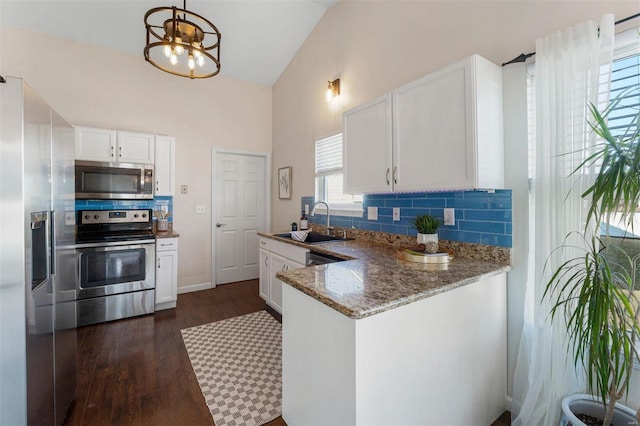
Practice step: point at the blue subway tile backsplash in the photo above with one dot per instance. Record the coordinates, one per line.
(154, 204)
(482, 217)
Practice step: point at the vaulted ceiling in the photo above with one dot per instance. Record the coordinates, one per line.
(259, 37)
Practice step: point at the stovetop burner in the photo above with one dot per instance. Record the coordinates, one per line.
(114, 225)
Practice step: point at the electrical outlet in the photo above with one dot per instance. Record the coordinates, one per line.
(200, 208)
(184, 189)
(449, 217)
(396, 214)
(70, 218)
(372, 213)
(306, 209)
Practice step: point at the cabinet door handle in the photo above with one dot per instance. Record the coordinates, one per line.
(112, 150)
(120, 149)
(283, 268)
(388, 176)
(158, 263)
(395, 174)
(266, 262)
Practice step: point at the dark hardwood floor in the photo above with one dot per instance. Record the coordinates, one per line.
(137, 372)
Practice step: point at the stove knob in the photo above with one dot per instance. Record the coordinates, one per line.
(86, 216)
(135, 215)
(96, 217)
(144, 215)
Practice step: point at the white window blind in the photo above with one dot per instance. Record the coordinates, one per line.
(329, 178)
(329, 154)
(625, 88)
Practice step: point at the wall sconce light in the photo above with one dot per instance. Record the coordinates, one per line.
(333, 89)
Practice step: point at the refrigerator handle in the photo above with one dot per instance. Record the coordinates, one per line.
(52, 242)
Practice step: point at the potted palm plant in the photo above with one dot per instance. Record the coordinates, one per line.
(594, 293)
(427, 227)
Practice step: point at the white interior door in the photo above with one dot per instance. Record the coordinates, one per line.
(240, 213)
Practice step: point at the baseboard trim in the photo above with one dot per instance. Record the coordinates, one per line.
(194, 287)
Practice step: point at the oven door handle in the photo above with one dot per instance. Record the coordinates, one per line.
(79, 278)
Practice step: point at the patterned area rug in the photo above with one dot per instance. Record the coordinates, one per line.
(238, 364)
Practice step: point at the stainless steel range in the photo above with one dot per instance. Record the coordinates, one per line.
(115, 254)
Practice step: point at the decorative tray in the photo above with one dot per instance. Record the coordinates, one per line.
(421, 257)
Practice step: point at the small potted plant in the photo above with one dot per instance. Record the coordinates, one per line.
(427, 227)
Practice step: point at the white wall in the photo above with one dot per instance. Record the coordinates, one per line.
(97, 86)
(375, 46)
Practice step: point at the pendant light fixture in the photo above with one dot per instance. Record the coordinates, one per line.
(181, 42)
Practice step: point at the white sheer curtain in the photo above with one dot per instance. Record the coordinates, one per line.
(572, 69)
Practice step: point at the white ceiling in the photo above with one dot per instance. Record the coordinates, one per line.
(259, 37)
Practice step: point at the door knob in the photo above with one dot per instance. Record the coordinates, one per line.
(220, 225)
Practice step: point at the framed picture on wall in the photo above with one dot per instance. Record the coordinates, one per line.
(284, 183)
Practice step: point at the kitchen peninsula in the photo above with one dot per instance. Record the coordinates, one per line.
(377, 340)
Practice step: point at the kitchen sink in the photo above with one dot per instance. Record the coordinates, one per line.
(315, 237)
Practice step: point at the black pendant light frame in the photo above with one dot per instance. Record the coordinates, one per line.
(189, 31)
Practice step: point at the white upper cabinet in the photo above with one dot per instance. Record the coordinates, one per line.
(136, 147)
(165, 168)
(367, 147)
(447, 133)
(114, 146)
(95, 144)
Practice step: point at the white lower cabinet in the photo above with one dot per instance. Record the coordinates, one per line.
(276, 256)
(166, 273)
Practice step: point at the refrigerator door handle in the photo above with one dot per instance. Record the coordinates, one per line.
(52, 242)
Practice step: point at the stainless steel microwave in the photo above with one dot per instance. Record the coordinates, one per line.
(107, 181)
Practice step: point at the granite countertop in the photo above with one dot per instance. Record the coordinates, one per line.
(170, 233)
(375, 280)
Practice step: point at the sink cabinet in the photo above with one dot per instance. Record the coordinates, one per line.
(276, 256)
(440, 132)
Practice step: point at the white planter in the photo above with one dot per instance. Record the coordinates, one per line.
(430, 242)
(588, 404)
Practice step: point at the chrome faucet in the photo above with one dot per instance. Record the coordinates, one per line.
(313, 210)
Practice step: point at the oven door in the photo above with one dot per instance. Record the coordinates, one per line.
(98, 180)
(115, 268)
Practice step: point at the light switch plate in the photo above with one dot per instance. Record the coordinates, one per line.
(396, 214)
(200, 208)
(184, 189)
(372, 213)
(449, 217)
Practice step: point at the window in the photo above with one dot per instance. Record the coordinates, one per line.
(625, 87)
(329, 178)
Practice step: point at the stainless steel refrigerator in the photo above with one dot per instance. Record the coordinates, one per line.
(37, 290)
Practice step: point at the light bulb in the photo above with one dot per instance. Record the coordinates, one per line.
(197, 53)
(200, 61)
(191, 62)
(329, 95)
(179, 48)
(167, 50)
(173, 59)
